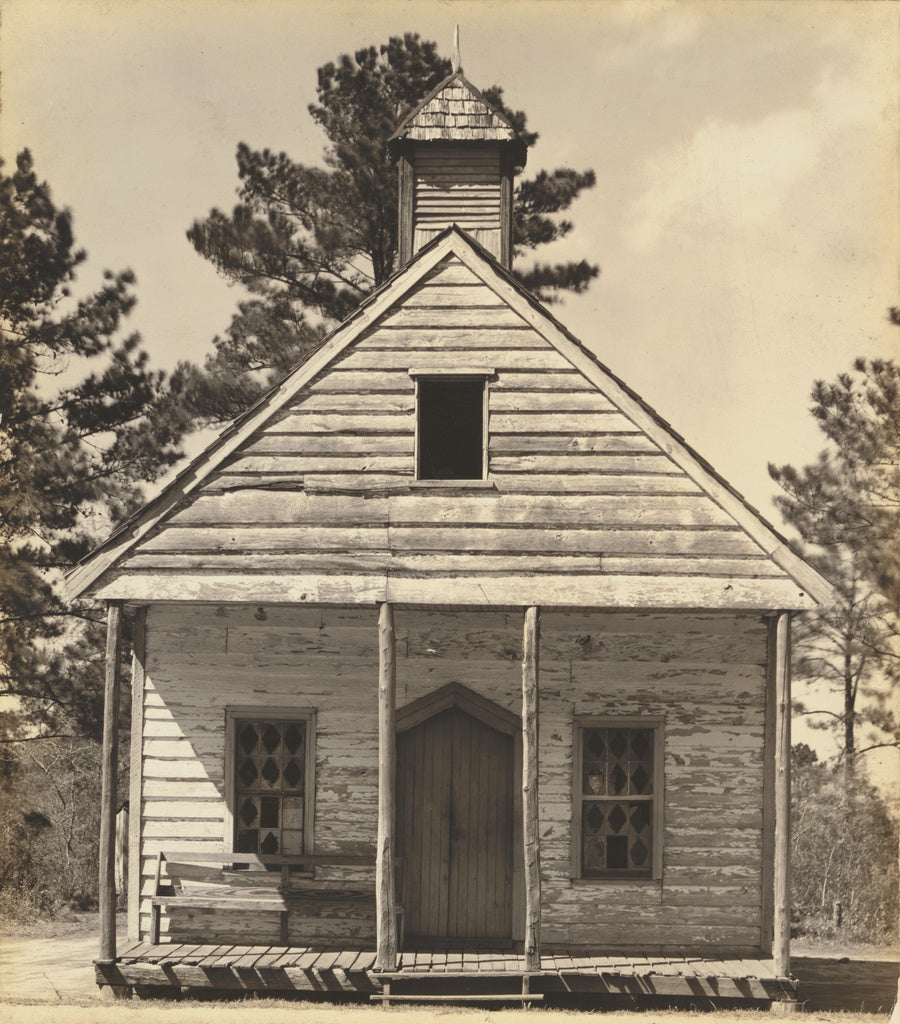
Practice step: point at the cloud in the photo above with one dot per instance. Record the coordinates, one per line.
(747, 173)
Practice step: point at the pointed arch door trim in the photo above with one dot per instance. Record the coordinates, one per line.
(455, 695)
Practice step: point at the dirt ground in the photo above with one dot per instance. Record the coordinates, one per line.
(47, 977)
(272, 1012)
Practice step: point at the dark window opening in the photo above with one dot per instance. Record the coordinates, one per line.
(451, 429)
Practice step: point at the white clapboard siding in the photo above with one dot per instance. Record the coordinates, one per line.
(458, 185)
(325, 491)
(704, 673)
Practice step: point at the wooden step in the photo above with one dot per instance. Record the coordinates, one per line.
(493, 997)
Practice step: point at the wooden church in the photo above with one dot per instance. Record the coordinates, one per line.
(457, 672)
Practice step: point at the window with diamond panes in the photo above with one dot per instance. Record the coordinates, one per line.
(270, 769)
(617, 802)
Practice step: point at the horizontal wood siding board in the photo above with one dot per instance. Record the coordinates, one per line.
(470, 193)
(564, 421)
(452, 296)
(349, 422)
(510, 538)
(463, 187)
(258, 508)
(595, 483)
(464, 214)
(526, 381)
(563, 401)
(565, 463)
(452, 564)
(411, 340)
(563, 591)
(351, 382)
(378, 562)
(374, 462)
(485, 316)
(493, 359)
(333, 445)
(506, 445)
(377, 486)
(569, 461)
(402, 400)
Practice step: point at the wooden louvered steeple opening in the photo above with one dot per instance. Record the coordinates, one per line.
(456, 157)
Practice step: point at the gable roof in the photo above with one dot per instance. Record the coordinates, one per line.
(453, 242)
(455, 110)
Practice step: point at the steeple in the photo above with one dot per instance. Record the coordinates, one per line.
(457, 155)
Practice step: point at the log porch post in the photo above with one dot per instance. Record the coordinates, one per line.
(781, 947)
(136, 774)
(385, 895)
(530, 822)
(110, 760)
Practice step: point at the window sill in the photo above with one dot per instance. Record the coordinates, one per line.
(445, 484)
(644, 882)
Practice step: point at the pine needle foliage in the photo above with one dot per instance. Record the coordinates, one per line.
(846, 508)
(83, 419)
(310, 242)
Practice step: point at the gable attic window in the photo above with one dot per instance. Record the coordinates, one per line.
(450, 426)
(617, 819)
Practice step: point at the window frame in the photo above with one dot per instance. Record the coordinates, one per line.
(656, 723)
(237, 713)
(458, 374)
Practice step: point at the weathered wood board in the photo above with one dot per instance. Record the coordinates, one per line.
(703, 673)
(578, 499)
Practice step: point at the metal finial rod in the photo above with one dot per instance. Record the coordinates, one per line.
(455, 61)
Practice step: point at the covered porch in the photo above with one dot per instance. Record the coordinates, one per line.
(524, 968)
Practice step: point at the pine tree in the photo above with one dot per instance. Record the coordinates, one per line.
(310, 243)
(71, 454)
(846, 508)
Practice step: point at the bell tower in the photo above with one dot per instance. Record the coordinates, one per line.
(456, 157)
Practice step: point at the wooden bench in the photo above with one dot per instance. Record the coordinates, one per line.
(248, 881)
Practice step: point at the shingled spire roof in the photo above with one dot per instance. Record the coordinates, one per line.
(456, 111)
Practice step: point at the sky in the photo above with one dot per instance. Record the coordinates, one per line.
(745, 216)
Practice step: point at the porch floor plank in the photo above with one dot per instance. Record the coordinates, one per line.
(343, 970)
(251, 959)
(344, 960)
(270, 957)
(289, 957)
(135, 951)
(175, 955)
(326, 961)
(203, 952)
(214, 956)
(363, 961)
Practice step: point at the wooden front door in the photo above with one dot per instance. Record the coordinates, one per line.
(455, 828)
